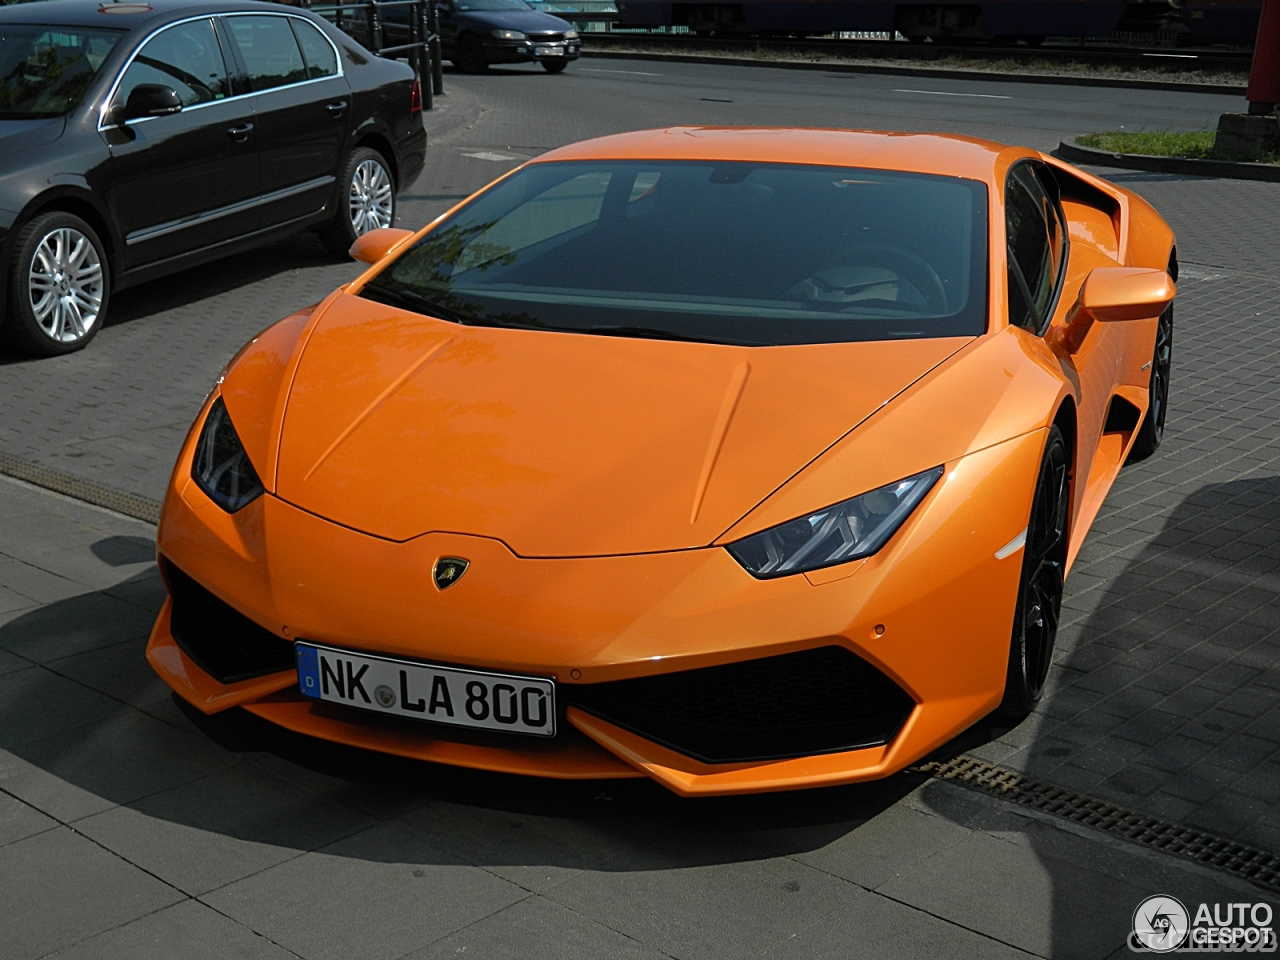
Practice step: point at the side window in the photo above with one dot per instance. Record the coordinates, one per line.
(1036, 247)
(316, 50)
(185, 57)
(269, 51)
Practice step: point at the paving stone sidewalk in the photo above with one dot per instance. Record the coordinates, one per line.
(131, 827)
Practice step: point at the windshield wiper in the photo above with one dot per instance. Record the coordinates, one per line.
(657, 333)
(410, 300)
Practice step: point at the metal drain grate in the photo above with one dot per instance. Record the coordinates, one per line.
(1251, 864)
(140, 508)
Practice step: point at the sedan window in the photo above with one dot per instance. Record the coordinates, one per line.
(321, 60)
(269, 50)
(747, 253)
(44, 71)
(186, 58)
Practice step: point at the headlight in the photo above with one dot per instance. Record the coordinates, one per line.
(221, 467)
(571, 34)
(849, 530)
(509, 35)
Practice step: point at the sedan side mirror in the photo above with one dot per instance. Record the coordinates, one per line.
(151, 100)
(373, 246)
(1112, 294)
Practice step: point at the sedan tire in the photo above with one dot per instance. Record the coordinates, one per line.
(367, 201)
(471, 57)
(59, 285)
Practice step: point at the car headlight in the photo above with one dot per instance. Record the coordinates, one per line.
(571, 34)
(221, 468)
(849, 530)
(509, 35)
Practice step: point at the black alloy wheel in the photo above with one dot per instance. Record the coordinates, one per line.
(1151, 431)
(471, 58)
(554, 66)
(1044, 559)
(59, 286)
(366, 201)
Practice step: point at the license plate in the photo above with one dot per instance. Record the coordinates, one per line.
(424, 691)
(548, 51)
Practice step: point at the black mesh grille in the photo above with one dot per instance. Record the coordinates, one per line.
(545, 37)
(794, 705)
(222, 641)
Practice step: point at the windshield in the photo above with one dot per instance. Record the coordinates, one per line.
(493, 5)
(755, 254)
(44, 71)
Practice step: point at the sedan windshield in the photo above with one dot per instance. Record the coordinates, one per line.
(44, 71)
(743, 253)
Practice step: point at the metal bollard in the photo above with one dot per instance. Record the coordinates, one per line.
(437, 63)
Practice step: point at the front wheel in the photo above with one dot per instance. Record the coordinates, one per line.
(1151, 432)
(58, 286)
(1044, 560)
(554, 66)
(367, 201)
(471, 58)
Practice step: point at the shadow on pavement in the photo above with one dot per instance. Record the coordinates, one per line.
(94, 715)
(1165, 700)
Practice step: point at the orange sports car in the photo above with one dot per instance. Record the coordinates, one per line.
(742, 459)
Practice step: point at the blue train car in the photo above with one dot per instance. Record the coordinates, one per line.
(943, 21)
(1222, 21)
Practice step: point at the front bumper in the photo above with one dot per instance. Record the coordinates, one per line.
(529, 51)
(930, 615)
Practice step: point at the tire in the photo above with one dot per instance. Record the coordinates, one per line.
(1039, 605)
(1151, 430)
(471, 58)
(554, 66)
(59, 286)
(367, 201)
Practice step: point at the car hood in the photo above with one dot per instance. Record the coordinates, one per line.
(18, 135)
(562, 444)
(526, 21)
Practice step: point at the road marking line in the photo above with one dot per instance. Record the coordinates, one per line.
(489, 155)
(634, 73)
(944, 93)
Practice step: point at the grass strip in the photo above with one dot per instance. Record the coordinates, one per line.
(1152, 143)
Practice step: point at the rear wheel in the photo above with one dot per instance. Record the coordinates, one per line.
(58, 286)
(471, 58)
(367, 201)
(1044, 558)
(1151, 432)
(554, 66)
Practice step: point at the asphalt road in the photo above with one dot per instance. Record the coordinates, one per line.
(127, 825)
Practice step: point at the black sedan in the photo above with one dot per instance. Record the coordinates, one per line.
(476, 33)
(138, 139)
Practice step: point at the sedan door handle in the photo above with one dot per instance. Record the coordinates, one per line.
(240, 133)
(337, 107)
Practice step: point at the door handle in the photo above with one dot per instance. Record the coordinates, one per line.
(240, 133)
(337, 107)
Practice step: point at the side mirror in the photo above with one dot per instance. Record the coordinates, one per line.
(373, 246)
(151, 100)
(1114, 294)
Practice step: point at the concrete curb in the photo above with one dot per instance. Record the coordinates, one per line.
(988, 75)
(1074, 153)
(455, 110)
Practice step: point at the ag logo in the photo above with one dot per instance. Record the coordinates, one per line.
(448, 571)
(1160, 924)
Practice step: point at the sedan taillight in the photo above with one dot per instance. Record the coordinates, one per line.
(415, 98)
